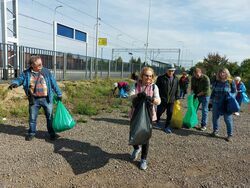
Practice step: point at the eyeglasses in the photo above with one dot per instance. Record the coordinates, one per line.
(146, 75)
(37, 65)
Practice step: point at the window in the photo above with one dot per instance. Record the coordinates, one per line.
(65, 31)
(79, 35)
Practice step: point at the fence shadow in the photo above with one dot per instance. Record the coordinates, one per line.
(113, 120)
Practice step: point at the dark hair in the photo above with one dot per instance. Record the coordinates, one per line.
(33, 59)
(134, 76)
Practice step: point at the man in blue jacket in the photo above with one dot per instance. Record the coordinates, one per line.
(39, 85)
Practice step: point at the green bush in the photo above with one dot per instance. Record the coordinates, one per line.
(21, 111)
(85, 109)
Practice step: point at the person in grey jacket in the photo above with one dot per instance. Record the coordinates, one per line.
(168, 85)
(39, 85)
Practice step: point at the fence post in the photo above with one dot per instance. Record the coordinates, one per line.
(86, 67)
(109, 69)
(64, 65)
(96, 68)
(91, 68)
(122, 70)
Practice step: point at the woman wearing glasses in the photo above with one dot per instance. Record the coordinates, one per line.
(145, 87)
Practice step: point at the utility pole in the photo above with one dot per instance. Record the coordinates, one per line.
(54, 38)
(96, 35)
(146, 50)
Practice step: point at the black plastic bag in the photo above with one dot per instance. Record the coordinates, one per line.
(141, 122)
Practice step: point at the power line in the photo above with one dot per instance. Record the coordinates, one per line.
(41, 4)
(100, 21)
(34, 18)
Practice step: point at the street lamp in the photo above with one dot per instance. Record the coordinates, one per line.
(54, 38)
(181, 51)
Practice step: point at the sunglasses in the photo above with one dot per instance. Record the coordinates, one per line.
(146, 75)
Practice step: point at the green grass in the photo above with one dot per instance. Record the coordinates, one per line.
(3, 93)
(81, 120)
(92, 97)
(87, 97)
(21, 111)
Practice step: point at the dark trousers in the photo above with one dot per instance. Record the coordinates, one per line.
(169, 111)
(144, 151)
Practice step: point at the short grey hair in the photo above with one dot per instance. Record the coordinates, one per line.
(237, 78)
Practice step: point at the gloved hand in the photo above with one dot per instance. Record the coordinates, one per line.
(13, 85)
(149, 98)
(59, 98)
(141, 95)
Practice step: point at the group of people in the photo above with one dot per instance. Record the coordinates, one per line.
(166, 92)
(40, 86)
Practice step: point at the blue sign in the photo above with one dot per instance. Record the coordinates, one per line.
(65, 31)
(79, 35)
(72, 33)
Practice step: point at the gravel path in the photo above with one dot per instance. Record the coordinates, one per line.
(96, 154)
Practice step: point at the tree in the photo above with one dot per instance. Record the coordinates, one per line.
(213, 62)
(245, 68)
(233, 68)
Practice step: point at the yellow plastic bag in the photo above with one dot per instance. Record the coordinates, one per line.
(177, 117)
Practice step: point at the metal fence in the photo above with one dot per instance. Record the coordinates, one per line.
(68, 66)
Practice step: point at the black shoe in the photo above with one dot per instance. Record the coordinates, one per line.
(54, 137)
(29, 137)
(229, 139)
(214, 134)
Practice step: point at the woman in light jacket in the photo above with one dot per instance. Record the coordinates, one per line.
(145, 87)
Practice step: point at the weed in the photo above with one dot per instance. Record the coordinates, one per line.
(3, 93)
(21, 111)
(85, 109)
(81, 120)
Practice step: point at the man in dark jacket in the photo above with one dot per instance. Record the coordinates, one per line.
(39, 85)
(168, 85)
(200, 86)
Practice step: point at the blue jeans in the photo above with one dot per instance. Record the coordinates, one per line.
(33, 112)
(239, 99)
(183, 93)
(204, 100)
(227, 118)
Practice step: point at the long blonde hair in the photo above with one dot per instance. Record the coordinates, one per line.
(227, 74)
(144, 69)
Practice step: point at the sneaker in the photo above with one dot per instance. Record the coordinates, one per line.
(203, 128)
(135, 154)
(143, 164)
(229, 139)
(167, 130)
(29, 137)
(214, 134)
(237, 113)
(54, 137)
(158, 125)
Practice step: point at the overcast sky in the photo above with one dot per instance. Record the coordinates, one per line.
(197, 27)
